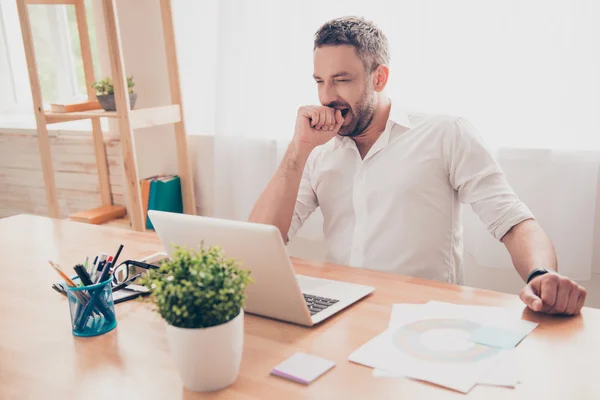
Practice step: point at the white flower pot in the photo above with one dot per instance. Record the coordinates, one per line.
(208, 359)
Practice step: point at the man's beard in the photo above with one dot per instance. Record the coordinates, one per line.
(362, 115)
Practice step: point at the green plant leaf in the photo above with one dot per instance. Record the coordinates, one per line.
(105, 86)
(198, 289)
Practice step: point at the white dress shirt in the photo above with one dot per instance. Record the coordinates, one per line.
(399, 209)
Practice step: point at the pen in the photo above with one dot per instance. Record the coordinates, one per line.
(58, 288)
(85, 264)
(102, 261)
(105, 271)
(97, 265)
(84, 277)
(116, 257)
(94, 267)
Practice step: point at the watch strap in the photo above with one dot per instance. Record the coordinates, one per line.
(536, 272)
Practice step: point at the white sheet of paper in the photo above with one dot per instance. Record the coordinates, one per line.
(481, 314)
(484, 315)
(505, 373)
(430, 342)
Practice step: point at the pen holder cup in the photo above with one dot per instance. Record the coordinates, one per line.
(92, 308)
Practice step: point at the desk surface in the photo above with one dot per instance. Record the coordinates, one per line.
(40, 358)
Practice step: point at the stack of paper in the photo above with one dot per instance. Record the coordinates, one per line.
(455, 346)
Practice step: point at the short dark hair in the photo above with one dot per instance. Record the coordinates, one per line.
(369, 41)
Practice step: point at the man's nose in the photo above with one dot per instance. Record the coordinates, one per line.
(327, 94)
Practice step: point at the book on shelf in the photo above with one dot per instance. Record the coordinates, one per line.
(161, 193)
(73, 107)
(99, 215)
(145, 186)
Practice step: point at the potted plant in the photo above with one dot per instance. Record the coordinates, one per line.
(105, 92)
(201, 297)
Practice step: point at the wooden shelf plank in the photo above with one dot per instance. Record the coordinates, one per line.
(183, 159)
(54, 117)
(117, 66)
(40, 120)
(155, 116)
(88, 72)
(141, 118)
(51, 2)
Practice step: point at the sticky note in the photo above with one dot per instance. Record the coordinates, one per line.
(520, 325)
(303, 368)
(497, 337)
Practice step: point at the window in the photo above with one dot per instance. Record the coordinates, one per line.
(57, 50)
(7, 94)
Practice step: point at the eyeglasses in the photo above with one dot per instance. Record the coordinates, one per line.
(127, 272)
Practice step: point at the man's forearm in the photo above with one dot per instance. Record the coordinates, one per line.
(530, 247)
(275, 205)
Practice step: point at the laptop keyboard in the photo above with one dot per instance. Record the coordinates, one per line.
(317, 304)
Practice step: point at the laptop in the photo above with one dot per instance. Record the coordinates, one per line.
(277, 292)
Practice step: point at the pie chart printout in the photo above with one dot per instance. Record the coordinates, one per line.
(441, 340)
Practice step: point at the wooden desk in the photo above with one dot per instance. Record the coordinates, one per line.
(41, 359)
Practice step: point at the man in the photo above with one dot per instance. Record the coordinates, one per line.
(390, 184)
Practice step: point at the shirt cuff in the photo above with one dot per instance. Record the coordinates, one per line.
(519, 213)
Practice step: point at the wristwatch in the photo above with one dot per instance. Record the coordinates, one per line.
(536, 272)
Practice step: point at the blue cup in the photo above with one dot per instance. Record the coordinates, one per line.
(92, 308)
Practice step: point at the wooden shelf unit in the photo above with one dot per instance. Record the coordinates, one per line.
(140, 118)
(128, 119)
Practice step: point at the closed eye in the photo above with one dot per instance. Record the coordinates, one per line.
(342, 80)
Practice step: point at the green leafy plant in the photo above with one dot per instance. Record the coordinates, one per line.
(105, 86)
(198, 289)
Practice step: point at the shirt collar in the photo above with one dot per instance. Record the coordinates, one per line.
(398, 116)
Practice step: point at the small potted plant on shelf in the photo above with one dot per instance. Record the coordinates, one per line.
(105, 92)
(201, 296)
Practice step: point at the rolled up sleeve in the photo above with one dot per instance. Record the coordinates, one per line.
(306, 202)
(479, 181)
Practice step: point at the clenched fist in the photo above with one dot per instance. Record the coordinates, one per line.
(554, 294)
(316, 125)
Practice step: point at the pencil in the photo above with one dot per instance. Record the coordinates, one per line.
(81, 297)
(56, 267)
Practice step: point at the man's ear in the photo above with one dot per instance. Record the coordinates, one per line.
(380, 77)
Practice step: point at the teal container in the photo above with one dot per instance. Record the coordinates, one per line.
(92, 308)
